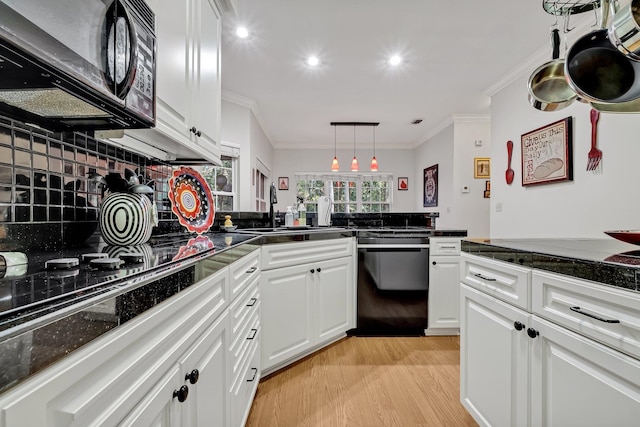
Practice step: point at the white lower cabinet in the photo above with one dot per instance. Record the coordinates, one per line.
(494, 360)
(519, 369)
(305, 306)
(173, 365)
(193, 392)
(578, 382)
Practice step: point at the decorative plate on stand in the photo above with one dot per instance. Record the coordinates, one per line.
(191, 200)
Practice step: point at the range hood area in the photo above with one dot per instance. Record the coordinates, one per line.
(154, 144)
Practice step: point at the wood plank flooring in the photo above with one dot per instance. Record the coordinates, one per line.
(367, 381)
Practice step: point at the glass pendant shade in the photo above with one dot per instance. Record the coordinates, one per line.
(354, 165)
(334, 164)
(374, 164)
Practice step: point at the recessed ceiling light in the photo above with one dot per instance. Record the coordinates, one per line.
(313, 61)
(242, 32)
(395, 60)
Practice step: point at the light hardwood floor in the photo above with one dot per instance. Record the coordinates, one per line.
(367, 381)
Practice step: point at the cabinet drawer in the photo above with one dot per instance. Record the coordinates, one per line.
(601, 312)
(244, 388)
(444, 246)
(288, 254)
(242, 347)
(508, 282)
(243, 307)
(243, 272)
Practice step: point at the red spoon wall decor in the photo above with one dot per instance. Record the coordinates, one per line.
(509, 174)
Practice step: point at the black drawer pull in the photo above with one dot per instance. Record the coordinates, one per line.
(319, 269)
(255, 374)
(578, 310)
(518, 325)
(181, 394)
(255, 332)
(253, 302)
(192, 376)
(488, 279)
(251, 270)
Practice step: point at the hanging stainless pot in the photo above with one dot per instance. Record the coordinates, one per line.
(597, 71)
(625, 31)
(621, 107)
(548, 88)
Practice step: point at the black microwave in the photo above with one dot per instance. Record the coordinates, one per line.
(78, 64)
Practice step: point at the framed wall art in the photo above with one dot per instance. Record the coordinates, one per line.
(430, 186)
(547, 153)
(481, 167)
(403, 183)
(283, 183)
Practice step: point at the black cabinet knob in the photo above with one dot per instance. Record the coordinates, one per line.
(193, 376)
(518, 325)
(433, 262)
(181, 393)
(532, 333)
(312, 271)
(319, 269)
(195, 131)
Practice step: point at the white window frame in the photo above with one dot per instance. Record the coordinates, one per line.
(357, 177)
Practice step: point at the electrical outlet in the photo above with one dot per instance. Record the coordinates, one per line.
(498, 207)
(448, 209)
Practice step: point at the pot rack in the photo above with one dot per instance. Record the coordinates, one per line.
(569, 7)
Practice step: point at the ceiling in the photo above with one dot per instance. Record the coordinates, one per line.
(455, 54)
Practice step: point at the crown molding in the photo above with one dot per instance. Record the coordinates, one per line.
(471, 118)
(433, 132)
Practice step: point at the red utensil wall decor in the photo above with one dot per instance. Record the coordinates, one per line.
(595, 155)
(509, 174)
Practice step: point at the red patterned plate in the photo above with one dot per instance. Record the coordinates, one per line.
(629, 236)
(191, 200)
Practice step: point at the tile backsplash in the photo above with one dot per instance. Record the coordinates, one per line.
(49, 197)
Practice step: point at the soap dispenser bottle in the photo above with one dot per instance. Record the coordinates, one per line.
(288, 217)
(302, 214)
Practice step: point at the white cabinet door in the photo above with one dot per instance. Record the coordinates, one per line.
(494, 360)
(159, 408)
(173, 68)
(577, 382)
(444, 293)
(286, 313)
(206, 363)
(334, 298)
(206, 76)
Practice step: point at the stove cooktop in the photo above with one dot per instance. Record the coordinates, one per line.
(25, 286)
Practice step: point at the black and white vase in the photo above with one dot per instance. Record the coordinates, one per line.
(127, 219)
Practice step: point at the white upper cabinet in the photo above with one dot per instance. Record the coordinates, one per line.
(188, 85)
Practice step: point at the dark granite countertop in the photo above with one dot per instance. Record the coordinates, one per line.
(35, 334)
(607, 261)
(58, 314)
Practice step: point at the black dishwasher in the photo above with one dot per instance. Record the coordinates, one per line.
(392, 282)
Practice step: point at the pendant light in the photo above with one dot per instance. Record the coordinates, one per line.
(354, 162)
(374, 161)
(334, 164)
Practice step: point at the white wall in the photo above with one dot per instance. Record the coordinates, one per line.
(239, 126)
(582, 208)
(400, 162)
(453, 150)
(470, 210)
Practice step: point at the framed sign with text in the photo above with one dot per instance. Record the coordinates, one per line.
(430, 186)
(547, 153)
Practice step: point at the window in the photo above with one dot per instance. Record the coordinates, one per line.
(349, 193)
(261, 202)
(221, 180)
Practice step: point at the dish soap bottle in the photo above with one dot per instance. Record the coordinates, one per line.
(288, 217)
(302, 214)
(227, 221)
